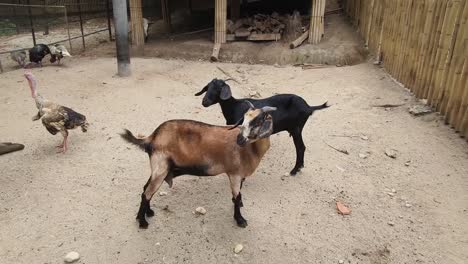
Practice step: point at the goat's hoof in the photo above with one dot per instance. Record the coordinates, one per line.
(242, 223)
(143, 224)
(150, 213)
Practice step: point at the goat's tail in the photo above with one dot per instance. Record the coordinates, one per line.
(143, 143)
(318, 107)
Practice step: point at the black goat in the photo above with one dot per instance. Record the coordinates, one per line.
(291, 115)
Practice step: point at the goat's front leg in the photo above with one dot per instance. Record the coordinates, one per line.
(159, 169)
(300, 150)
(236, 185)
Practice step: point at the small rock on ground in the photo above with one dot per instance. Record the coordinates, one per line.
(238, 248)
(418, 110)
(200, 210)
(391, 153)
(162, 193)
(72, 257)
(342, 209)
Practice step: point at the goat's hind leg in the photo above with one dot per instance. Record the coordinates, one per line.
(300, 150)
(159, 169)
(149, 211)
(236, 185)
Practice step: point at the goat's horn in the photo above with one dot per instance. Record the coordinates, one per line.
(237, 124)
(267, 109)
(250, 104)
(202, 91)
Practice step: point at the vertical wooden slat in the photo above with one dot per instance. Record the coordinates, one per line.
(220, 21)
(424, 45)
(136, 16)
(316, 29)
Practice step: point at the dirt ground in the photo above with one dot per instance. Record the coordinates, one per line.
(86, 200)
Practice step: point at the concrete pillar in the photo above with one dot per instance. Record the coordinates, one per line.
(121, 37)
(220, 21)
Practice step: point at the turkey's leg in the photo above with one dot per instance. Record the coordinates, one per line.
(64, 146)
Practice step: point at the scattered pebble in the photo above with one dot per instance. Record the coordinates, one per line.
(342, 209)
(391, 153)
(158, 244)
(339, 168)
(393, 191)
(363, 155)
(238, 248)
(200, 210)
(364, 137)
(391, 194)
(341, 261)
(391, 223)
(408, 205)
(407, 163)
(162, 193)
(418, 110)
(72, 257)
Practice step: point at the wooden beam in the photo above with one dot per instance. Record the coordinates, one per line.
(215, 54)
(220, 21)
(299, 40)
(136, 18)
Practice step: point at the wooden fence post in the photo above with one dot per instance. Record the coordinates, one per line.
(316, 29)
(136, 17)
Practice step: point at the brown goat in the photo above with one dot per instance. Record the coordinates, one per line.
(179, 147)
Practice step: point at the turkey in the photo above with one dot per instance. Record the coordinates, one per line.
(57, 52)
(19, 57)
(55, 118)
(36, 54)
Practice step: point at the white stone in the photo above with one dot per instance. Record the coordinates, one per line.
(162, 193)
(72, 257)
(238, 248)
(200, 210)
(341, 261)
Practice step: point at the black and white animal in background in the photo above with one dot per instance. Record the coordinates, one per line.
(36, 54)
(291, 115)
(19, 57)
(56, 118)
(57, 52)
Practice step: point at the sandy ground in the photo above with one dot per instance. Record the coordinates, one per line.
(86, 199)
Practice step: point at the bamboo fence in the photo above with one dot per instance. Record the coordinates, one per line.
(424, 45)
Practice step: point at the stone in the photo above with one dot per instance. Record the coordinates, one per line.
(200, 210)
(418, 110)
(238, 248)
(72, 257)
(342, 209)
(391, 153)
(162, 193)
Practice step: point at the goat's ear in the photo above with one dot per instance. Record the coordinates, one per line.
(202, 91)
(266, 129)
(225, 92)
(237, 123)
